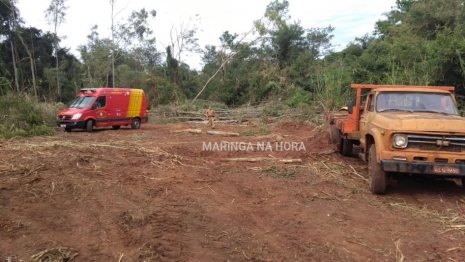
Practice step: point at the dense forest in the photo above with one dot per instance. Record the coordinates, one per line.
(417, 42)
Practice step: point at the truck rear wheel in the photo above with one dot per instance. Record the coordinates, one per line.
(89, 126)
(346, 147)
(335, 134)
(377, 176)
(135, 123)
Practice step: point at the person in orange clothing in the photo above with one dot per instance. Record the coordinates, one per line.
(211, 116)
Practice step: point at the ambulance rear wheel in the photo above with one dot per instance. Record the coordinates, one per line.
(116, 127)
(135, 123)
(89, 126)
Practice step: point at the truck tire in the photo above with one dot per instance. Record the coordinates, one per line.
(377, 176)
(463, 182)
(116, 127)
(135, 123)
(68, 129)
(89, 126)
(335, 134)
(346, 147)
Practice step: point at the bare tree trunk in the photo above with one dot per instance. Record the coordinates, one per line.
(113, 45)
(213, 76)
(15, 69)
(27, 50)
(56, 57)
(36, 91)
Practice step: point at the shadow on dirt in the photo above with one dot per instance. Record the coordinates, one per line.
(105, 129)
(415, 184)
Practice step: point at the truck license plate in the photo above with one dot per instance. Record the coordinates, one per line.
(62, 125)
(446, 170)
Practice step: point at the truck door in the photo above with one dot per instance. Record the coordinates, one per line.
(365, 118)
(100, 112)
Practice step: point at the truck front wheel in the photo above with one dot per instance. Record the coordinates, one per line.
(377, 176)
(89, 126)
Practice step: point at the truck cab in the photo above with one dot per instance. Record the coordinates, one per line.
(403, 129)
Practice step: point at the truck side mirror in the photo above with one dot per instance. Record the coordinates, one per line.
(350, 106)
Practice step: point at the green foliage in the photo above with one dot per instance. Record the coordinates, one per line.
(417, 42)
(24, 116)
(300, 97)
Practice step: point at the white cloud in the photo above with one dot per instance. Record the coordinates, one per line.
(351, 18)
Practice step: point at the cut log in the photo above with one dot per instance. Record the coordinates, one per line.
(193, 131)
(216, 122)
(290, 160)
(256, 159)
(222, 133)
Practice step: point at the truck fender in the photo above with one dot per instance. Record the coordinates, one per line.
(377, 139)
(89, 118)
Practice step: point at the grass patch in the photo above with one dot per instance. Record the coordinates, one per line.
(247, 133)
(280, 173)
(264, 131)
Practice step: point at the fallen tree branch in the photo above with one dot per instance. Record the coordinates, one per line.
(193, 131)
(222, 133)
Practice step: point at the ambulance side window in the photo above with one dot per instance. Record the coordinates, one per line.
(101, 102)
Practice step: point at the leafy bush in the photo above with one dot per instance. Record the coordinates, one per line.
(300, 97)
(24, 116)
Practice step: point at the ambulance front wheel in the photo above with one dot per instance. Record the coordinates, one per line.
(89, 125)
(135, 123)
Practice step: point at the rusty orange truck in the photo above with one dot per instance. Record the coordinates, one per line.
(402, 129)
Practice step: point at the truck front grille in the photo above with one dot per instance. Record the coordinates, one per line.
(64, 117)
(436, 143)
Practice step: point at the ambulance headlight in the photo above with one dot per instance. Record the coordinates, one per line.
(76, 116)
(399, 141)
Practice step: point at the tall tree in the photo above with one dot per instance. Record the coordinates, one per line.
(8, 13)
(16, 21)
(55, 14)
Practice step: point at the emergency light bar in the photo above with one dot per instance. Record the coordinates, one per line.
(88, 90)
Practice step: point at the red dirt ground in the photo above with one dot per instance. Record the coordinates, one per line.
(154, 195)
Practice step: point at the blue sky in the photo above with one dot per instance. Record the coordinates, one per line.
(350, 18)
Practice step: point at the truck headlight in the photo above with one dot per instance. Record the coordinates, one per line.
(399, 141)
(76, 116)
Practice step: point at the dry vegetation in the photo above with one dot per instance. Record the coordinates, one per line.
(154, 195)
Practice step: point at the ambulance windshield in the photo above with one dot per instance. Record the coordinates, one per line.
(81, 102)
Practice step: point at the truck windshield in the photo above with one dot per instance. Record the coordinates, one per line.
(81, 102)
(416, 102)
